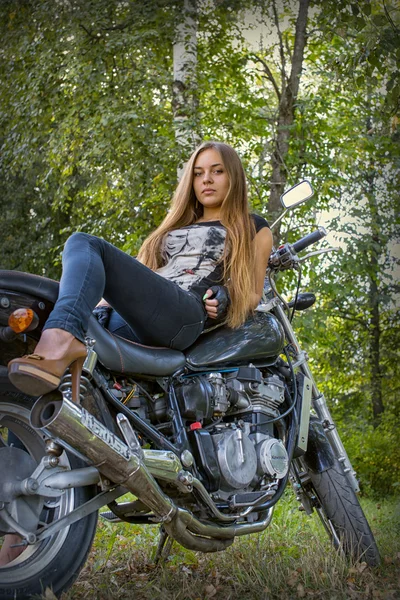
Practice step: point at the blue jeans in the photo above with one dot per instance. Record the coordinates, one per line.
(157, 311)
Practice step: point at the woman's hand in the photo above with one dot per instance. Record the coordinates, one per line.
(102, 312)
(216, 301)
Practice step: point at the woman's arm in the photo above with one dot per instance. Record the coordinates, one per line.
(263, 242)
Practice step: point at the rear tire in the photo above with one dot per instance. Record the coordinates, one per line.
(55, 562)
(343, 516)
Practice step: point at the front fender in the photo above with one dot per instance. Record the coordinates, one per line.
(319, 455)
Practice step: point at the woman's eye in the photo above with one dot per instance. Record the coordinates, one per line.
(197, 174)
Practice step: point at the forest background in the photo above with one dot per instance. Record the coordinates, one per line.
(102, 101)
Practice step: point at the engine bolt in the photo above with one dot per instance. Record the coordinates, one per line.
(41, 305)
(5, 303)
(187, 458)
(32, 484)
(185, 478)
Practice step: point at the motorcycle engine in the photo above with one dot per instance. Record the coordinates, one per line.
(238, 408)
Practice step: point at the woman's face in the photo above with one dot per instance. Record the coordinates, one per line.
(210, 179)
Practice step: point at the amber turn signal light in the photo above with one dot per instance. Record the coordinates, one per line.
(23, 319)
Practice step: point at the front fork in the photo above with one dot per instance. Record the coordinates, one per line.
(318, 401)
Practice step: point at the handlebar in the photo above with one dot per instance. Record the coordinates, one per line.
(285, 257)
(309, 239)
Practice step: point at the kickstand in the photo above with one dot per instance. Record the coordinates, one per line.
(164, 547)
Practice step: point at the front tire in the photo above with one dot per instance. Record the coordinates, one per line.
(342, 515)
(55, 562)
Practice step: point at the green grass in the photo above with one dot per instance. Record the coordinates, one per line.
(292, 559)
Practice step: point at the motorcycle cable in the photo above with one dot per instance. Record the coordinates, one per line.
(144, 392)
(275, 290)
(294, 400)
(298, 269)
(291, 443)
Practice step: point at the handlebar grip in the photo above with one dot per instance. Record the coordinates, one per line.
(309, 239)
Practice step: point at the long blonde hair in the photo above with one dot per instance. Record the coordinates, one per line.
(238, 258)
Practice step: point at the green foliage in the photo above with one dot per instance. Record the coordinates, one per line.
(375, 451)
(88, 143)
(89, 130)
(375, 27)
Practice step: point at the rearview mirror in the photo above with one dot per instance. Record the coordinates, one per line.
(297, 194)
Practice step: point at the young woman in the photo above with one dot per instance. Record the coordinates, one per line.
(163, 297)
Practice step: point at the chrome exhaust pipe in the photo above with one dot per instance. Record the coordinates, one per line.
(58, 417)
(73, 424)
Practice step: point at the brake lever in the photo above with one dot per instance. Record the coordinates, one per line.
(322, 251)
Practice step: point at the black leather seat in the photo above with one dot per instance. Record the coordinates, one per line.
(115, 353)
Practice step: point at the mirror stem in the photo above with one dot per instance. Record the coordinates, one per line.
(278, 219)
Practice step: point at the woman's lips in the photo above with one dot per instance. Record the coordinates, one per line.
(208, 191)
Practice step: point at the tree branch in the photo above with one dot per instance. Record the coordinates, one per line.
(89, 33)
(288, 50)
(269, 74)
(394, 27)
(349, 317)
(281, 46)
(121, 26)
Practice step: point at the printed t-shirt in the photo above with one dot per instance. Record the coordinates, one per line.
(192, 255)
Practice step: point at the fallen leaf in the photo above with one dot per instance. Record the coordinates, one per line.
(292, 581)
(210, 590)
(48, 594)
(361, 567)
(300, 590)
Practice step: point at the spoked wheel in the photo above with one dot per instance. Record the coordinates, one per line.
(56, 561)
(342, 515)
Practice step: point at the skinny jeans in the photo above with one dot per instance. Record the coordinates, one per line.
(154, 310)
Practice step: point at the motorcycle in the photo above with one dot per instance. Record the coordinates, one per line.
(205, 441)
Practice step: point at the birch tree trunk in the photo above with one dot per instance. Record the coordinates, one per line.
(184, 101)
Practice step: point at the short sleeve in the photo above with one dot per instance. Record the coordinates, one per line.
(259, 222)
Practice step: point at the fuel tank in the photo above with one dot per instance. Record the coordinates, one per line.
(259, 340)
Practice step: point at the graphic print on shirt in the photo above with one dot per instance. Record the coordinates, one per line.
(192, 253)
